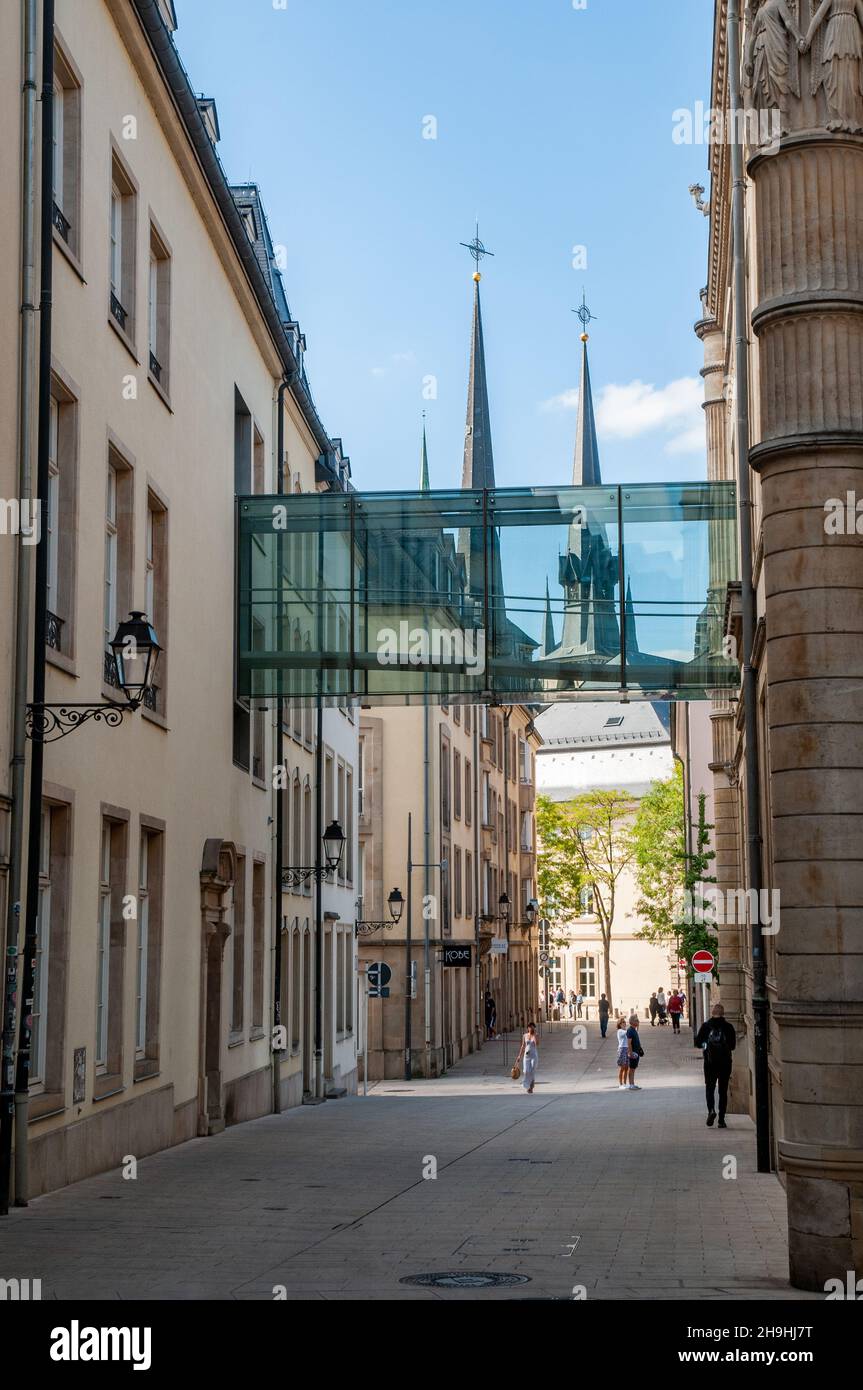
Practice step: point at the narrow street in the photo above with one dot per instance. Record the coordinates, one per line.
(329, 1202)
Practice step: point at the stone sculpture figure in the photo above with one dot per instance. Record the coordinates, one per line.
(771, 61)
(836, 39)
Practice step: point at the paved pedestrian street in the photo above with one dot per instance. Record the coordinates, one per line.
(578, 1185)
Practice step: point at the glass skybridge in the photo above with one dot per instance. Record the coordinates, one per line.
(516, 595)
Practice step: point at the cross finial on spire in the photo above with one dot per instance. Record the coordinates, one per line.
(585, 316)
(477, 250)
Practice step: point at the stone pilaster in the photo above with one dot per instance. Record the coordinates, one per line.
(808, 323)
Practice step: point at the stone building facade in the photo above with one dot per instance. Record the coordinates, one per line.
(803, 321)
(158, 912)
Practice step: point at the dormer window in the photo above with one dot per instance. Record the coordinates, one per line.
(615, 722)
(249, 223)
(169, 17)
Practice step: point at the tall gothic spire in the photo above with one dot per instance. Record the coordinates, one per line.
(424, 463)
(549, 641)
(585, 463)
(478, 469)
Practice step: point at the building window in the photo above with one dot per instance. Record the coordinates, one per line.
(307, 833)
(467, 719)
(587, 976)
(148, 962)
(110, 949)
(122, 236)
(526, 831)
(238, 933)
(118, 555)
(159, 311)
(156, 593)
(60, 538)
(468, 885)
(39, 1033)
(445, 809)
(456, 783)
(468, 793)
(487, 812)
(585, 900)
(258, 939)
(456, 875)
(142, 949)
(361, 778)
(66, 213)
(296, 989)
(349, 826)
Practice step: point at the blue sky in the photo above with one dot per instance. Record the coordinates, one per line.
(554, 128)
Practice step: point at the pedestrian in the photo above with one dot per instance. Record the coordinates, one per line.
(662, 1005)
(718, 1039)
(682, 994)
(654, 1009)
(603, 1015)
(490, 1014)
(571, 1003)
(622, 1054)
(636, 1051)
(675, 1009)
(560, 1000)
(579, 1000)
(529, 1051)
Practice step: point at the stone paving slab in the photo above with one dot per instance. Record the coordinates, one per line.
(330, 1200)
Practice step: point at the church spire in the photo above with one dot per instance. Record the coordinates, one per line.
(549, 641)
(585, 463)
(424, 463)
(478, 467)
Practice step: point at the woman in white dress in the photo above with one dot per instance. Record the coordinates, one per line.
(528, 1056)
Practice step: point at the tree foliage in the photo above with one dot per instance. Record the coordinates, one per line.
(586, 842)
(660, 859)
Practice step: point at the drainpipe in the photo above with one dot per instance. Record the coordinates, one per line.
(480, 1003)
(279, 794)
(22, 589)
(40, 623)
(427, 859)
(750, 680)
(319, 834)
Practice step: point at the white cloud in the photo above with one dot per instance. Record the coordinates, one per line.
(638, 408)
(379, 371)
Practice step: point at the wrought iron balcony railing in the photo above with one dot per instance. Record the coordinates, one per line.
(61, 222)
(118, 312)
(54, 632)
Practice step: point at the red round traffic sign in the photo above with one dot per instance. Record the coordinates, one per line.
(683, 962)
(702, 962)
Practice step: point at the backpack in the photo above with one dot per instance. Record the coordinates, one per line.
(717, 1045)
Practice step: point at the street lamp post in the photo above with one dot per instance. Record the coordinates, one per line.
(334, 845)
(395, 903)
(134, 656)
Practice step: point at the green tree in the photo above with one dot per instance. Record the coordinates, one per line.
(660, 860)
(696, 933)
(588, 841)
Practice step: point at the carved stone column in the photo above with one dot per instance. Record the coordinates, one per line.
(808, 325)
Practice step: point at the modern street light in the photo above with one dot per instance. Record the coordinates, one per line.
(395, 903)
(334, 846)
(135, 651)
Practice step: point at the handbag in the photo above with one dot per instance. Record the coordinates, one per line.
(516, 1072)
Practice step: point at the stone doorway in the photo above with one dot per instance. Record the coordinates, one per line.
(218, 871)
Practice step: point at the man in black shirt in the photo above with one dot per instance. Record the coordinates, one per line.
(718, 1039)
(603, 1016)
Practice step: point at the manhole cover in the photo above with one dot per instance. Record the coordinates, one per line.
(465, 1279)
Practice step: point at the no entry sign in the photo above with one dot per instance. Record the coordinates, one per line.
(702, 962)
